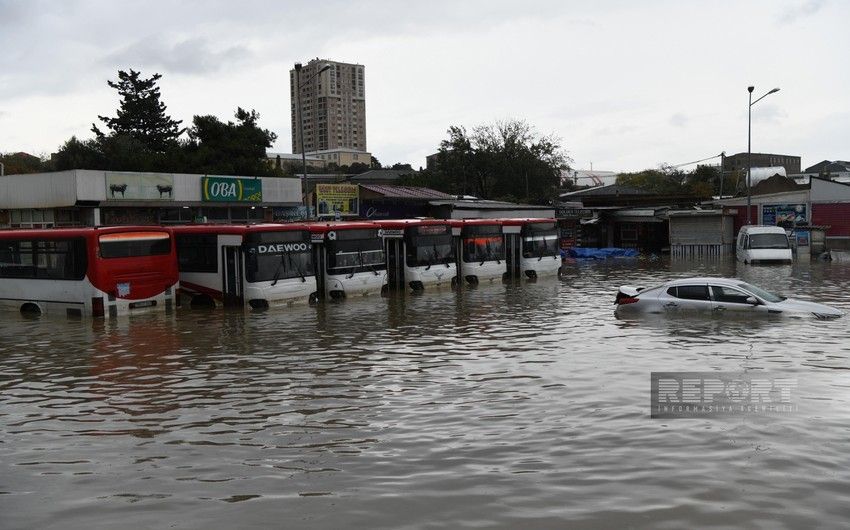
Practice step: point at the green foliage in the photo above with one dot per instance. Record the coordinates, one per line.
(141, 115)
(504, 160)
(702, 182)
(143, 138)
(375, 163)
(232, 148)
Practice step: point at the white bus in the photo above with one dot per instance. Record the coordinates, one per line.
(254, 265)
(349, 258)
(420, 253)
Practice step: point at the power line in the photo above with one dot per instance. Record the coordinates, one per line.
(698, 161)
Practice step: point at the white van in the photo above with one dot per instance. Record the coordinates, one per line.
(763, 244)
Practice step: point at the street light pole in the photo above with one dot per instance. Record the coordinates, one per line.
(300, 112)
(749, 146)
(749, 153)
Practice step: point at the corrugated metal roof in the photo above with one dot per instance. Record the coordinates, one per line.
(405, 192)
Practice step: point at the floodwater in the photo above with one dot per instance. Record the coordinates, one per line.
(503, 406)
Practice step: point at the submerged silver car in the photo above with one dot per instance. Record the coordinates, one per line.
(714, 295)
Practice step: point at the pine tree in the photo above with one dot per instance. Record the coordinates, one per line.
(141, 114)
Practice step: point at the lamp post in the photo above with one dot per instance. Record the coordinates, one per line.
(301, 129)
(749, 146)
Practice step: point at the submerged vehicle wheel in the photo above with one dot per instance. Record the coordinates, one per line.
(202, 301)
(30, 309)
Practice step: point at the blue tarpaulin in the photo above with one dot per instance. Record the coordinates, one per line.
(601, 253)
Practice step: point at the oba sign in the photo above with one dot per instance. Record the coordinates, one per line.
(223, 189)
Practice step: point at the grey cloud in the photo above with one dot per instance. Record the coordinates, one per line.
(768, 113)
(192, 56)
(800, 10)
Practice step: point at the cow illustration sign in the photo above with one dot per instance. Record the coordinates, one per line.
(225, 189)
(139, 186)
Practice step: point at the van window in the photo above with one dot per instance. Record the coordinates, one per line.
(768, 241)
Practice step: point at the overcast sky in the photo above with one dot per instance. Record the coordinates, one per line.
(626, 85)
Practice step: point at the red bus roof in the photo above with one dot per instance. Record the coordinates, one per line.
(519, 221)
(238, 229)
(474, 222)
(65, 233)
(404, 223)
(322, 226)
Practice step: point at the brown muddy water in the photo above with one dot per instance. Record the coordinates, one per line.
(504, 406)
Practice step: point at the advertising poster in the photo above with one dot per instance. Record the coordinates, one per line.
(337, 199)
(227, 189)
(139, 186)
(784, 214)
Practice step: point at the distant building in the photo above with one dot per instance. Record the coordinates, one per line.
(342, 156)
(829, 166)
(432, 161)
(333, 105)
(294, 161)
(738, 162)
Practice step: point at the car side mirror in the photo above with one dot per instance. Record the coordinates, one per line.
(752, 300)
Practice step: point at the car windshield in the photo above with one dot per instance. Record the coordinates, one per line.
(779, 241)
(761, 293)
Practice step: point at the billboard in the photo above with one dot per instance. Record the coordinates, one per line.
(139, 186)
(337, 199)
(783, 214)
(229, 189)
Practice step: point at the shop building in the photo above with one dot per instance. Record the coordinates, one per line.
(98, 198)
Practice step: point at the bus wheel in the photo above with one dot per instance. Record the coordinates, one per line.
(417, 287)
(472, 280)
(258, 304)
(30, 309)
(337, 295)
(202, 301)
(454, 282)
(313, 299)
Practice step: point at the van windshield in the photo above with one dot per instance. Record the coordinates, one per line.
(777, 241)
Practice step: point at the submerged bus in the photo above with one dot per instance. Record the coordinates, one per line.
(238, 265)
(482, 249)
(534, 248)
(420, 253)
(88, 271)
(349, 258)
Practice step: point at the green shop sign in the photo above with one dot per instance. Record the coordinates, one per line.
(223, 189)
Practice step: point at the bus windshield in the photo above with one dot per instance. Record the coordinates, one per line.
(540, 244)
(134, 244)
(350, 256)
(429, 250)
(483, 248)
(769, 241)
(278, 256)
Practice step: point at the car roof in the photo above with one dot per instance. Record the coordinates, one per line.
(758, 229)
(701, 280)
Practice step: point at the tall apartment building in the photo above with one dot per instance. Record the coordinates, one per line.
(334, 106)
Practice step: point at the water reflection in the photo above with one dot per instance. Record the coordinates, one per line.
(506, 405)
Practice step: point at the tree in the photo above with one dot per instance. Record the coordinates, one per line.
(505, 160)
(375, 163)
(141, 115)
(400, 166)
(667, 180)
(232, 148)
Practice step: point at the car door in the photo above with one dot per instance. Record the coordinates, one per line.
(687, 298)
(725, 298)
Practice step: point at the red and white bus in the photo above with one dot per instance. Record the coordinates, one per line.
(482, 249)
(254, 265)
(537, 251)
(420, 253)
(88, 271)
(349, 258)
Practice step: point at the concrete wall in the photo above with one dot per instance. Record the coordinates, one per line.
(38, 190)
